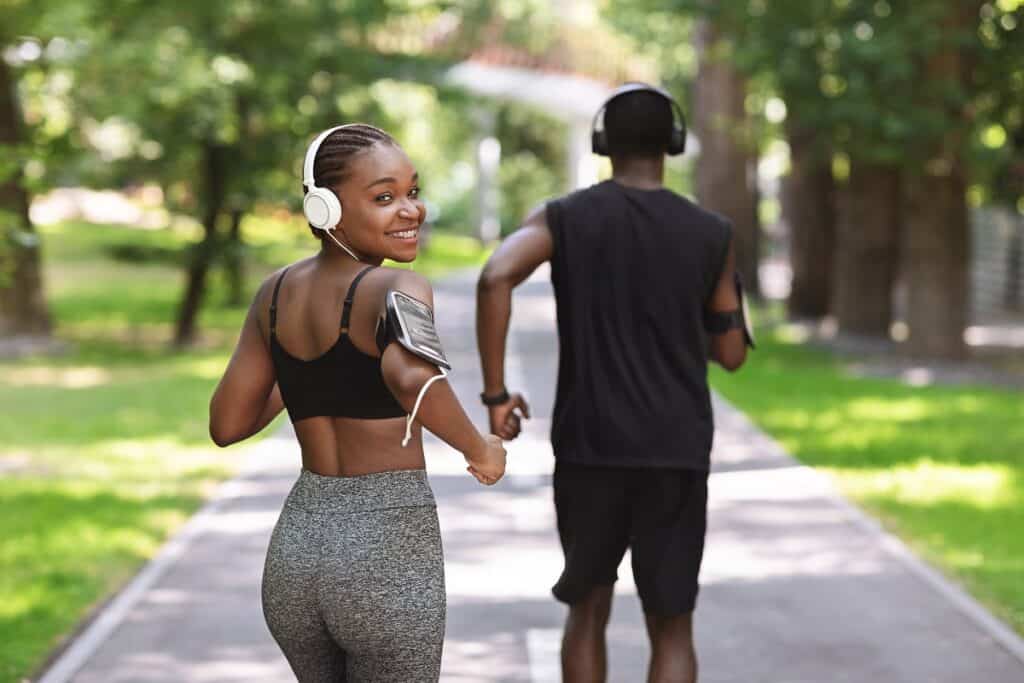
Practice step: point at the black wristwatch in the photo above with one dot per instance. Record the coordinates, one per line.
(495, 400)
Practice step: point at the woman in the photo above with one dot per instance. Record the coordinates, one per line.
(353, 586)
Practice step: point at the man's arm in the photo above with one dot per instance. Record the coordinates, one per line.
(729, 348)
(511, 263)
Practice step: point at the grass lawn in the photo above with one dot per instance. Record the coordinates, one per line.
(104, 450)
(942, 467)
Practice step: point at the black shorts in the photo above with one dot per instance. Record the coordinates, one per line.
(661, 514)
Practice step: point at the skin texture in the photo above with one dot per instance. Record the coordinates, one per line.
(583, 645)
(379, 197)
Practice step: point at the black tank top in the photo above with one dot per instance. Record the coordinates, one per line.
(342, 382)
(632, 270)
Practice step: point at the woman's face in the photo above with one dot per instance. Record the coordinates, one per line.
(381, 208)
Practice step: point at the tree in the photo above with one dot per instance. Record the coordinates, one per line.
(228, 114)
(996, 150)
(835, 73)
(808, 204)
(23, 309)
(894, 88)
(866, 256)
(726, 178)
(937, 226)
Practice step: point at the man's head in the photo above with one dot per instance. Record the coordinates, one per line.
(638, 124)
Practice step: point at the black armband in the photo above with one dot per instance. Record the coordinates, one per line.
(720, 322)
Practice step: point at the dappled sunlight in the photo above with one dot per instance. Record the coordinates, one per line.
(889, 409)
(23, 601)
(65, 378)
(927, 482)
(134, 405)
(792, 333)
(941, 466)
(144, 468)
(851, 440)
(70, 543)
(208, 368)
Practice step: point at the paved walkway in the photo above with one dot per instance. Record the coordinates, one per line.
(798, 587)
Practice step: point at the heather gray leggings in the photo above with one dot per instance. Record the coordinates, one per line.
(353, 586)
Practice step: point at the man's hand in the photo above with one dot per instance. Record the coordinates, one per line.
(506, 417)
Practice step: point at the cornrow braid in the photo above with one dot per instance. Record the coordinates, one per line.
(330, 166)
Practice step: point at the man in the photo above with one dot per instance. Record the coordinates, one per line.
(642, 277)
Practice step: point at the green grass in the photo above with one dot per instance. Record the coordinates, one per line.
(942, 467)
(104, 450)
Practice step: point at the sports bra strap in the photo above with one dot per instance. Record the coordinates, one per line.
(346, 311)
(273, 302)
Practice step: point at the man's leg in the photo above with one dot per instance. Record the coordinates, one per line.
(670, 521)
(584, 654)
(673, 658)
(593, 526)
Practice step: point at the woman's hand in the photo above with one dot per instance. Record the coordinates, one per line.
(505, 418)
(487, 463)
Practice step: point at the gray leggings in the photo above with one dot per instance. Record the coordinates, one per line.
(353, 586)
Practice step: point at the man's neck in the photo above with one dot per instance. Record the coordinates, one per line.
(643, 173)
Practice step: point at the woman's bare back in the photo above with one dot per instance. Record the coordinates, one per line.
(309, 311)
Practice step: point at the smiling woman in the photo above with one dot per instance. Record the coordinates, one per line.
(319, 341)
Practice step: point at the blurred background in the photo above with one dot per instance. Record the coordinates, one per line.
(869, 153)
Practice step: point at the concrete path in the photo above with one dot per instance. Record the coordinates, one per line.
(798, 586)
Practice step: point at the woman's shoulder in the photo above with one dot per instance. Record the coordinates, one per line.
(412, 283)
(264, 293)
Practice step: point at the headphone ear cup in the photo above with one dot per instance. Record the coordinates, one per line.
(322, 208)
(599, 143)
(677, 142)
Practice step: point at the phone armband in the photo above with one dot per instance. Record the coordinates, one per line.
(720, 322)
(410, 322)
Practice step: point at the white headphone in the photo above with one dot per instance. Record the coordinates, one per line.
(321, 205)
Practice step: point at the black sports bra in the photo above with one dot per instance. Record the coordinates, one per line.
(342, 382)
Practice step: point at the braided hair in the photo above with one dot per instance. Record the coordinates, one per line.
(331, 163)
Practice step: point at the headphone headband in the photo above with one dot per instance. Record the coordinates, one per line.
(320, 205)
(314, 147)
(678, 139)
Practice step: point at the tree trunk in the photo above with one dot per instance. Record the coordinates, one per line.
(23, 309)
(935, 263)
(938, 236)
(867, 228)
(234, 260)
(726, 181)
(808, 203)
(214, 187)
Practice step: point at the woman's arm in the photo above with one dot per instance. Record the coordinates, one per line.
(247, 397)
(440, 411)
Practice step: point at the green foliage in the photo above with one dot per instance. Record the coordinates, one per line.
(662, 33)
(997, 148)
(856, 72)
(258, 79)
(922, 459)
(533, 164)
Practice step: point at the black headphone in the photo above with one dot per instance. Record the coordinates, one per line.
(676, 142)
